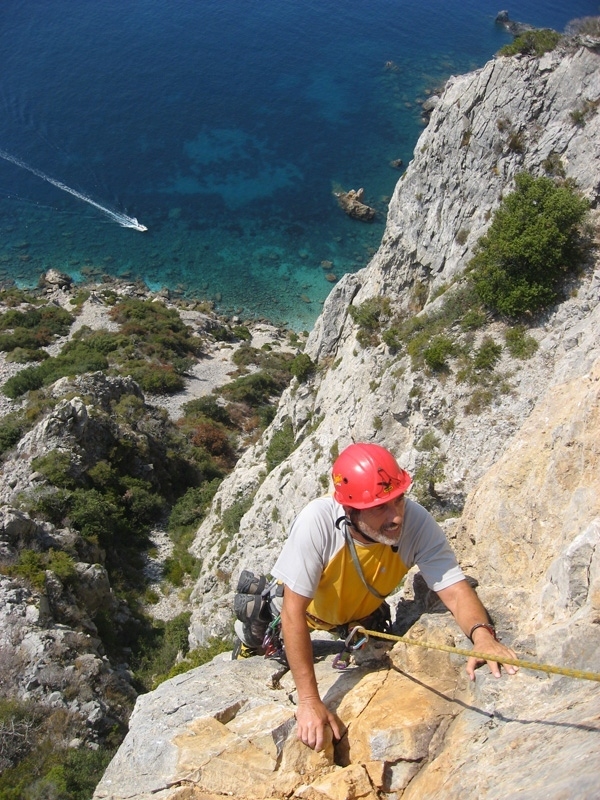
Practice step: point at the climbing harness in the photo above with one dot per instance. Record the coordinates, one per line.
(516, 662)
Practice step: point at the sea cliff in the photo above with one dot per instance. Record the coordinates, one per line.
(521, 466)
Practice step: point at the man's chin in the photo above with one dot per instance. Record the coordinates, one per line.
(388, 538)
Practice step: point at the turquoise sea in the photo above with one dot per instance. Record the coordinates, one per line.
(224, 127)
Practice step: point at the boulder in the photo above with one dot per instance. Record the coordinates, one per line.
(352, 203)
(53, 279)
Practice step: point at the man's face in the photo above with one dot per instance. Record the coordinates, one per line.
(382, 523)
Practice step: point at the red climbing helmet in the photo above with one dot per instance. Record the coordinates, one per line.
(367, 475)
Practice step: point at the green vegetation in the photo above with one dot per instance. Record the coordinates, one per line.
(232, 516)
(141, 472)
(586, 110)
(195, 658)
(532, 43)
(254, 392)
(487, 355)
(529, 248)
(35, 760)
(11, 430)
(369, 317)
(428, 442)
(153, 345)
(302, 367)
(282, 444)
(30, 329)
(430, 470)
(436, 353)
(32, 566)
(519, 344)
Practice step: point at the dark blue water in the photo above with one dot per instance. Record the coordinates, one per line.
(224, 126)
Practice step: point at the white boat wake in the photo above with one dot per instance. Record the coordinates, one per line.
(116, 216)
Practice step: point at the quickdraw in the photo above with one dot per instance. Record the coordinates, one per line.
(272, 643)
(342, 659)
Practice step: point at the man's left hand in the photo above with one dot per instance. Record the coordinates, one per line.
(485, 643)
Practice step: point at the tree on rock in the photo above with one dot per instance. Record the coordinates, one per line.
(531, 245)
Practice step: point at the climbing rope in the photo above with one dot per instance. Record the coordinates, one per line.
(516, 662)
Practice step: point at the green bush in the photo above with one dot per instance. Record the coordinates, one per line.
(427, 474)
(428, 442)
(530, 43)
(368, 314)
(11, 431)
(55, 466)
(530, 245)
(22, 355)
(20, 339)
(437, 352)
(302, 367)
(207, 407)
(97, 517)
(141, 502)
(48, 321)
(519, 344)
(36, 762)
(282, 444)
(393, 339)
(63, 567)
(195, 658)
(155, 378)
(48, 503)
(190, 509)
(488, 354)
(163, 644)
(24, 381)
(255, 389)
(473, 319)
(31, 566)
(76, 358)
(232, 516)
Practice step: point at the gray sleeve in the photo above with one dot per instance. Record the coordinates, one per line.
(304, 555)
(423, 543)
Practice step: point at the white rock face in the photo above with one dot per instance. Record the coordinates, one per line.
(512, 115)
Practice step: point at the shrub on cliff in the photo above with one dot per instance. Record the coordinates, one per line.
(532, 43)
(302, 367)
(530, 246)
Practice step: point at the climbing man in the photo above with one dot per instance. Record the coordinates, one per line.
(345, 553)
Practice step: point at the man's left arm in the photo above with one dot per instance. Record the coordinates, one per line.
(468, 610)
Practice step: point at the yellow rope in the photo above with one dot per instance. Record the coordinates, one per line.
(516, 662)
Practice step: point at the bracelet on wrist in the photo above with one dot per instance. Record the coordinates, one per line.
(487, 625)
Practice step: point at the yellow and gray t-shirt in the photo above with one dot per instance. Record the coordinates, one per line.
(316, 562)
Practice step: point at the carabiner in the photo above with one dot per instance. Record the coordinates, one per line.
(357, 645)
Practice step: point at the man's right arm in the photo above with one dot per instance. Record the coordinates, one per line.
(312, 715)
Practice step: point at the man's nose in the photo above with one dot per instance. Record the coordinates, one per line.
(393, 511)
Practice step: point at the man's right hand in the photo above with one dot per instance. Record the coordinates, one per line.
(313, 718)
